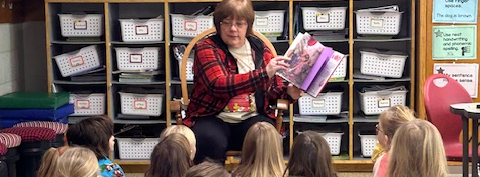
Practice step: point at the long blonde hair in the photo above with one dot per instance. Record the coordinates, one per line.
(417, 150)
(77, 161)
(262, 152)
(184, 130)
(392, 118)
(48, 165)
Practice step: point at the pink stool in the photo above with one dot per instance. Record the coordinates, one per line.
(3, 164)
(35, 141)
(59, 128)
(11, 142)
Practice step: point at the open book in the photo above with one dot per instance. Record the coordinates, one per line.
(311, 64)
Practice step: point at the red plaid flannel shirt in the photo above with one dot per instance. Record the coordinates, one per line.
(214, 83)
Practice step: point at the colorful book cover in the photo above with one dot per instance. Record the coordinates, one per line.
(311, 64)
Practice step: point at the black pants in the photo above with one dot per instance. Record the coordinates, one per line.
(215, 137)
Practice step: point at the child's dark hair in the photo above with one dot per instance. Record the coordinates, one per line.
(207, 168)
(310, 157)
(93, 133)
(170, 157)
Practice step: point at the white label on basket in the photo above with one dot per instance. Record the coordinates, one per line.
(261, 21)
(141, 30)
(190, 25)
(140, 104)
(376, 23)
(384, 102)
(80, 24)
(136, 58)
(76, 61)
(82, 104)
(318, 103)
(323, 17)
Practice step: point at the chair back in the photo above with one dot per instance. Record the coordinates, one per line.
(440, 91)
(203, 35)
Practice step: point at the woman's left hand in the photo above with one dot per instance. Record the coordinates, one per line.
(294, 92)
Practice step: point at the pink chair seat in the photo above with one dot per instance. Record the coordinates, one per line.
(454, 151)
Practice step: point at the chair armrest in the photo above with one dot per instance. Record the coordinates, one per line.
(176, 107)
(282, 105)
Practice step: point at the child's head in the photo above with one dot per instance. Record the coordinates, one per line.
(77, 161)
(390, 120)
(170, 157)
(184, 130)
(48, 166)
(262, 153)
(310, 156)
(95, 133)
(417, 150)
(207, 169)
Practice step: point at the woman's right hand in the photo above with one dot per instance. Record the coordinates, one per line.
(276, 64)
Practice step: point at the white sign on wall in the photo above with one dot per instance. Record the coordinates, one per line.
(465, 74)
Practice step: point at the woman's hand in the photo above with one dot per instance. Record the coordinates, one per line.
(276, 64)
(294, 92)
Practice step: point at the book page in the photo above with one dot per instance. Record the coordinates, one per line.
(287, 74)
(324, 74)
(303, 54)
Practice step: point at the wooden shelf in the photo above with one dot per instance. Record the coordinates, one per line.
(405, 79)
(131, 162)
(78, 83)
(139, 83)
(137, 43)
(78, 42)
(382, 40)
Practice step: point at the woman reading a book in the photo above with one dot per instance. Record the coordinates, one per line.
(234, 83)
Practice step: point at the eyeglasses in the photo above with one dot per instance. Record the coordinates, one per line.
(229, 24)
(377, 128)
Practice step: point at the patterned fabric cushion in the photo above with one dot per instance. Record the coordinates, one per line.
(3, 149)
(10, 140)
(58, 127)
(30, 134)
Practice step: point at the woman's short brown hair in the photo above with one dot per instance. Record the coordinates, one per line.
(93, 133)
(238, 9)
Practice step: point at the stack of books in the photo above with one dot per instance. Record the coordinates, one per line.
(137, 76)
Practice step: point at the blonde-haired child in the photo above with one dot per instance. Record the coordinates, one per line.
(77, 161)
(262, 152)
(187, 132)
(389, 121)
(417, 150)
(48, 165)
(310, 157)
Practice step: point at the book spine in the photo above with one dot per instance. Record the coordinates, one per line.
(326, 54)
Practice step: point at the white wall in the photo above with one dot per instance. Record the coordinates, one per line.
(23, 57)
(11, 60)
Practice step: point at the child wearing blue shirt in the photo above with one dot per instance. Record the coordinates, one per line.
(96, 133)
